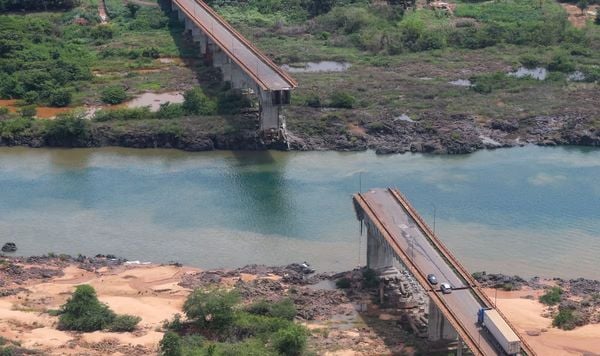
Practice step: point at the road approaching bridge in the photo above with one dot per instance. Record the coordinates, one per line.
(398, 236)
(241, 63)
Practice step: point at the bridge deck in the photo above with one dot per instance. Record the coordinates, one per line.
(251, 60)
(417, 250)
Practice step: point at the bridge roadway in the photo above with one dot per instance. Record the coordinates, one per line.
(251, 60)
(393, 213)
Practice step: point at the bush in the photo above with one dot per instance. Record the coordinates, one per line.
(370, 279)
(67, 130)
(170, 344)
(211, 309)
(342, 99)
(196, 102)
(260, 307)
(170, 111)
(248, 325)
(290, 341)
(343, 283)
(113, 95)
(31, 97)
(561, 63)
(567, 319)
(84, 312)
(284, 309)
(124, 322)
(552, 296)
(60, 97)
(28, 111)
(232, 101)
(313, 101)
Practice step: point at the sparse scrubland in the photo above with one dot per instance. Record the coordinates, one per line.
(403, 57)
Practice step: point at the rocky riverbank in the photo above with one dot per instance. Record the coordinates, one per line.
(458, 134)
(346, 321)
(433, 133)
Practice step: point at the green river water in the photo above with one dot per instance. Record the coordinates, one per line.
(527, 211)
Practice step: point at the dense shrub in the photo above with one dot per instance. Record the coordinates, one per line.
(68, 130)
(340, 99)
(561, 63)
(28, 111)
(314, 101)
(567, 319)
(113, 95)
(170, 111)
(60, 97)
(552, 296)
(290, 341)
(343, 283)
(232, 102)
(370, 279)
(84, 312)
(211, 309)
(170, 344)
(10, 128)
(284, 309)
(197, 103)
(124, 322)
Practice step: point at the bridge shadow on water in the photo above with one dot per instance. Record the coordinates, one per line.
(263, 193)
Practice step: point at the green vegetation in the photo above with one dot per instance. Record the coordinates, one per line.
(552, 296)
(37, 5)
(218, 325)
(343, 283)
(113, 95)
(84, 312)
(567, 318)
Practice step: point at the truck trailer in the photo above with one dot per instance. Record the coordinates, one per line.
(497, 327)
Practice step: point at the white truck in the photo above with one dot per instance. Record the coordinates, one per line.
(502, 333)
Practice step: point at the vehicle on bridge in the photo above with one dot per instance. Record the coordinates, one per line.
(446, 288)
(497, 327)
(431, 278)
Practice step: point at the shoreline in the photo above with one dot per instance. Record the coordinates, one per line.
(458, 134)
(156, 292)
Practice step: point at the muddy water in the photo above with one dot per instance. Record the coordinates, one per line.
(315, 67)
(154, 100)
(529, 211)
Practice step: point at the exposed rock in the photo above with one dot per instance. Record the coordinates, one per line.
(9, 247)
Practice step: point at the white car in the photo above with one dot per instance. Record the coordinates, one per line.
(446, 288)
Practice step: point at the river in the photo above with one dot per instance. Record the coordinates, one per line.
(527, 211)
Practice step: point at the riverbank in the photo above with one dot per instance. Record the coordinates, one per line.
(436, 134)
(342, 322)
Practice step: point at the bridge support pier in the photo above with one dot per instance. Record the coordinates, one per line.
(439, 328)
(270, 101)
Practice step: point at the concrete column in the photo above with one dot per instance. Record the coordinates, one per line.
(269, 113)
(438, 327)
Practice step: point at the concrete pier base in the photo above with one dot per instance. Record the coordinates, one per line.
(439, 328)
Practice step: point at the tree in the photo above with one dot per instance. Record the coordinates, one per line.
(196, 102)
(67, 130)
(113, 95)
(60, 97)
(170, 345)
(211, 309)
(28, 111)
(290, 341)
(597, 21)
(133, 9)
(84, 312)
(583, 5)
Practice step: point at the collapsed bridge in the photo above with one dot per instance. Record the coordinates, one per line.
(242, 64)
(398, 237)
